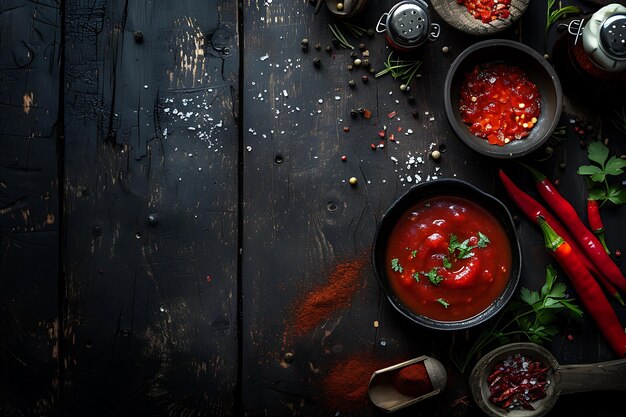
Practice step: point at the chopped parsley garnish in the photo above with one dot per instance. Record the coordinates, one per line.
(446, 262)
(395, 265)
(443, 302)
(464, 249)
(433, 276)
(413, 253)
(416, 276)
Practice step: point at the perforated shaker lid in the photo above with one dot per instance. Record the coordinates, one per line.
(604, 37)
(409, 22)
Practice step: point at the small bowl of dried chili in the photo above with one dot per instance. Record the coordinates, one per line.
(502, 98)
(480, 17)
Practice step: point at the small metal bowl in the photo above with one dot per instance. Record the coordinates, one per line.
(538, 70)
(445, 187)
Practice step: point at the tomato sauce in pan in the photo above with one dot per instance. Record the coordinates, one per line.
(448, 258)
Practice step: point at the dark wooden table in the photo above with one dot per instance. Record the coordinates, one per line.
(171, 188)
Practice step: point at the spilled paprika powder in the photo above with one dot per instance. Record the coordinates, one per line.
(325, 300)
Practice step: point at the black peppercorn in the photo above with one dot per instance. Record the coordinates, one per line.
(317, 62)
(138, 36)
(351, 83)
(370, 33)
(329, 49)
(318, 46)
(304, 41)
(353, 55)
(365, 63)
(362, 46)
(305, 48)
(353, 113)
(365, 78)
(361, 110)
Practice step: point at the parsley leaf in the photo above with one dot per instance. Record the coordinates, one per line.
(395, 265)
(483, 240)
(464, 249)
(599, 174)
(446, 262)
(413, 253)
(433, 276)
(416, 276)
(443, 302)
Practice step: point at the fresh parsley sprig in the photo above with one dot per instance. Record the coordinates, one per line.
(532, 317)
(395, 265)
(464, 249)
(600, 189)
(433, 276)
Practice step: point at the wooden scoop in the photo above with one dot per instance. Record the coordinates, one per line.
(383, 394)
(563, 379)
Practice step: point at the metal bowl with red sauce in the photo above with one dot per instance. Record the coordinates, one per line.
(514, 55)
(447, 255)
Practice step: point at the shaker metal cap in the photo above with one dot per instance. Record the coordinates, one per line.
(613, 36)
(409, 22)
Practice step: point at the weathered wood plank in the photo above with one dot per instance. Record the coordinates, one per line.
(151, 207)
(30, 35)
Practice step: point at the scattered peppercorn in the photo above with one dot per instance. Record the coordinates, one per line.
(402, 87)
(346, 129)
(357, 62)
(344, 158)
(288, 357)
(349, 67)
(546, 56)
(365, 78)
(339, 6)
(445, 49)
(562, 165)
(353, 181)
(366, 63)
(353, 55)
(618, 253)
(138, 36)
(372, 70)
(366, 53)
(435, 154)
(305, 48)
(556, 181)
(318, 46)
(329, 49)
(606, 141)
(362, 46)
(549, 150)
(353, 113)
(317, 62)
(370, 33)
(304, 41)
(361, 110)
(351, 83)
(570, 337)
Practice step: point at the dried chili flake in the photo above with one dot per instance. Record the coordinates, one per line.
(392, 137)
(392, 114)
(517, 381)
(367, 114)
(381, 133)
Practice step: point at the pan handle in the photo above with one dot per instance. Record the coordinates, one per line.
(602, 376)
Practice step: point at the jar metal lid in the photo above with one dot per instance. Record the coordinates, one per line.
(613, 36)
(409, 22)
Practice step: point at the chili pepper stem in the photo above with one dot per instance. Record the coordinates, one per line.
(618, 297)
(551, 238)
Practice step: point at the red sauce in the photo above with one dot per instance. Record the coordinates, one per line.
(421, 240)
(487, 10)
(499, 103)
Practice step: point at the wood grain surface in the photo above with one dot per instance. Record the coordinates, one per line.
(173, 197)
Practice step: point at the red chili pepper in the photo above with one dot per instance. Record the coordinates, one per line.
(531, 209)
(587, 241)
(588, 290)
(595, 222)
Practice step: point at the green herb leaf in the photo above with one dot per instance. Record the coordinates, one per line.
(413, 253)
(596, 193)
(614, 166)
(446, 262)
(597, 174)
(482, 240)
(433, 276)
(597, 152)
(617, 195)
(443, 302)
(528, 296)
(416, 276)
(395, 265)
(454, 243)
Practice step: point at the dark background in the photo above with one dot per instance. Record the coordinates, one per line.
(171, 187)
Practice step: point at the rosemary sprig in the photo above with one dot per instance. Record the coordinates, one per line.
(357, 31)
(560, 12)
(342, 39)
(403, 69)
